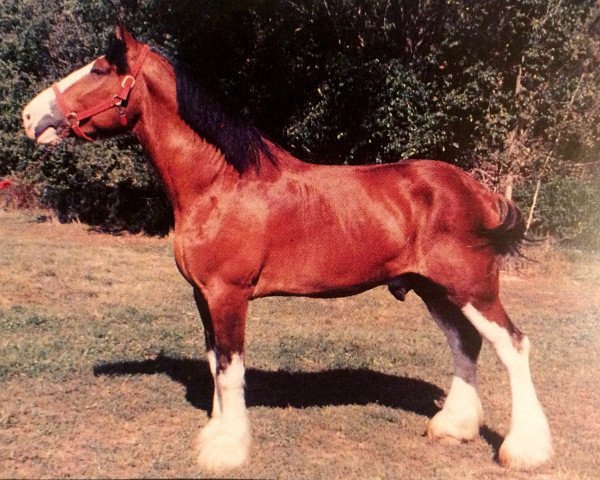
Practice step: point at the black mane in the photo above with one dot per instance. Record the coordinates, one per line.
(240, 142)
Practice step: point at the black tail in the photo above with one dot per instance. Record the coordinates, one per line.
(507, 237)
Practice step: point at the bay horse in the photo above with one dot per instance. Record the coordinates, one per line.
(253, 221)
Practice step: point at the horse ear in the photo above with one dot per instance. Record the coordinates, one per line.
(124, 35)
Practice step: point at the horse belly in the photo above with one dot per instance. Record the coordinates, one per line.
(336, 262)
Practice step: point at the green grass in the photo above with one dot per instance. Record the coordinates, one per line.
(103, 373)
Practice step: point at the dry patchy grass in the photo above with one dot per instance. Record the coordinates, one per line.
(103, 375)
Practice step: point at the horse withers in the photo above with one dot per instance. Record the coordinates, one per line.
(253, 221)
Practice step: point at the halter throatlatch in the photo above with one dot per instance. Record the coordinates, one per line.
(118, 100)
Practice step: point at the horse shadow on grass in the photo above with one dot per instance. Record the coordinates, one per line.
(291, 389)
(280, 389)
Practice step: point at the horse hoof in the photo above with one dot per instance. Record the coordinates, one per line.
(525, 452)
(451, 428)
(223, 446)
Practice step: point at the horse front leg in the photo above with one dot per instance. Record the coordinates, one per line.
(224, 442)
(211, 354)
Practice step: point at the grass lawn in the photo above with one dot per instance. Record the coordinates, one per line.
(103, 373)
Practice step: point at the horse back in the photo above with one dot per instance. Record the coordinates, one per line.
(344, 229)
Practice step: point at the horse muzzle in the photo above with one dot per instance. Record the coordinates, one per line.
(43, 121)
(50, 130)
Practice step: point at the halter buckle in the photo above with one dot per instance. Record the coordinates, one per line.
(73, 119)
(127, 78)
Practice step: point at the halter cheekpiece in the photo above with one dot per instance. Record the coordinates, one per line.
(117, 101)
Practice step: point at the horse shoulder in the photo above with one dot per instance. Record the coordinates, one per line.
(219, 236)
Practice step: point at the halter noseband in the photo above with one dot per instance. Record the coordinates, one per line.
(116, 101)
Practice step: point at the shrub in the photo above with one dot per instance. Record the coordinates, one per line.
(342, 81)
(567, 208)
(19, 194)
(109, 185)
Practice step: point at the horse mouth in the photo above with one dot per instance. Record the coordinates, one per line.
(48, 137)
(49, 130)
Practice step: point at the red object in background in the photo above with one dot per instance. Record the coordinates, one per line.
(5, 183)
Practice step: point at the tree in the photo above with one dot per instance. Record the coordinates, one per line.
(507, 90)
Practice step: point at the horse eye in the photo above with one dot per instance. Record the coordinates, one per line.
(100, 71)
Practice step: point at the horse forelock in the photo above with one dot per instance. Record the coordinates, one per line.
(116, 54)
(240, 142)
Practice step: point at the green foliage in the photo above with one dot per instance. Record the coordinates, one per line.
(506, 88)
(108, 184)
(567, 208)
(408, 119)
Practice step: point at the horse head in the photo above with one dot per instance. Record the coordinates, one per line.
(93, 101)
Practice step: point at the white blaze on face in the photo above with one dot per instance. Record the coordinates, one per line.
(41, 107)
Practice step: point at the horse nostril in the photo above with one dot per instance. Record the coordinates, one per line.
(28, 116)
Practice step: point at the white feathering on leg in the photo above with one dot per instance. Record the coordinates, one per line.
(462, 413)
(225, 440)
(528, 443)
(216, 405)
(461, 416)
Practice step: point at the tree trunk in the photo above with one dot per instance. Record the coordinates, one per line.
(508, 186)
(549, 156)
(533, 203)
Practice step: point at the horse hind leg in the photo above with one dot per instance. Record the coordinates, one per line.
(528, 443)
(462, 413)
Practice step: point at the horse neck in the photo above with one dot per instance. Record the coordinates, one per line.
(188, 165)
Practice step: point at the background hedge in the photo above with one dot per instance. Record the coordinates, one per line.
(507, 90)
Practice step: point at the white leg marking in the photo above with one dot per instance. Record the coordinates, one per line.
(225, 440)
(212, 362)
(528, 443)
(461, 416)
(41, 106)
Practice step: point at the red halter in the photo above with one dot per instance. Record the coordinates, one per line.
(117, 100)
